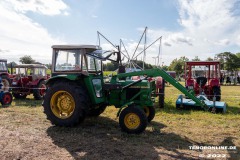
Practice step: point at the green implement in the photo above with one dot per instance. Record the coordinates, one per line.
(159, 72)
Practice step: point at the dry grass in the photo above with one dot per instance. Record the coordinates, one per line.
(26, 134)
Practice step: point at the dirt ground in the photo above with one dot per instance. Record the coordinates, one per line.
(31, 136)
(25, 133)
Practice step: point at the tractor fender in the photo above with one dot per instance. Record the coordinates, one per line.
(61, 78)
(214, 82)
(42, 79)
(190, 82)
(4, 75)
(123, 106)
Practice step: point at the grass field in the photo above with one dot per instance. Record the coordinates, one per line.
(26, 134)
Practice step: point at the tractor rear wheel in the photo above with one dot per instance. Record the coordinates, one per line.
(39, 92)
(161, 95)
(133, 120)
(6, 99)
(150, 112)
(96, 111)
(6, 83)
(217, 93)
(65, 104)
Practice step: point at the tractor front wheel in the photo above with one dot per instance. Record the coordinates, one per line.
(150, 112)
(133, 120)
(6, 83)
(6, 99)
(65, 104)
(39, 92)
(217, 93)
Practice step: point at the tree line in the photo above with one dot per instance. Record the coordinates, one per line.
(228, 61)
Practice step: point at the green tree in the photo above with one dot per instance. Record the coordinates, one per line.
(196, 58)
(230, 61)
(165, 68)
(26, 60)
(177, 65)
(238, 55)
(140, 64)
(109, 66)
(11, 64)
(209, 59)
(49, 66)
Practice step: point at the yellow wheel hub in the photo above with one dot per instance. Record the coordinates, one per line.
(132, 120)
(62, 104)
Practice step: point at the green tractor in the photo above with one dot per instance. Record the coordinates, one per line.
(77, 90)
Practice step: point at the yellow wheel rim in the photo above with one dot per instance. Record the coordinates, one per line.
(62, 104)
(147, 111)
(132, 120)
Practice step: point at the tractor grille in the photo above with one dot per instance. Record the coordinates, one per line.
(132, 92)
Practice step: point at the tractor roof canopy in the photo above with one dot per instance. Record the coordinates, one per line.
(30, 66)
(80, 58)
(88, 48)
(208, 69)
(91, 50)
(202, 63)
(3, 60)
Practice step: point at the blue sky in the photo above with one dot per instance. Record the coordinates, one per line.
(188, 27)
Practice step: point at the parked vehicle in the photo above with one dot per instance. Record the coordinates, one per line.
(74, 94)
(29, 79)
(4, 75)
(203, 77)
(5, 96)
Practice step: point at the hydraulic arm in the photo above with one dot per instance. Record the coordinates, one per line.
(159, 72)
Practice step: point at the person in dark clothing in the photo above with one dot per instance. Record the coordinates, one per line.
(228, 81)
(238, 79)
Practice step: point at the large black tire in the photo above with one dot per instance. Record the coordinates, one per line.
(150, 112)
(6, 99)
(19, 95)
(133, 120)
(97, 110)
(40, 91)
(161, 95)
(217, 93)
(65, 104)
(6, 83)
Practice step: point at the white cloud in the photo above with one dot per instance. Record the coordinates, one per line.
(20, 36)
(238, 40)
(223, 42)
(208, 28)
(50, 8)
(94, 16)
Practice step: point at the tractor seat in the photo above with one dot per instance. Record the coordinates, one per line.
(201, 81)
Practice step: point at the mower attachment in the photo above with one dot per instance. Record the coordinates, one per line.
(213, 106)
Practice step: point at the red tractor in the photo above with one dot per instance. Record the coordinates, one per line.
(203, 77)
(29, 78)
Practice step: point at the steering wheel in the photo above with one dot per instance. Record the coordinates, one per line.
(201, 81)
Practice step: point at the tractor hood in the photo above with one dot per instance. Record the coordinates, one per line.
(71, 77)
